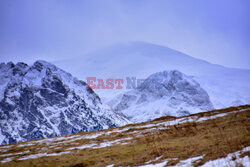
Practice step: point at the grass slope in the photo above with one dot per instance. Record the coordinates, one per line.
(208, 135)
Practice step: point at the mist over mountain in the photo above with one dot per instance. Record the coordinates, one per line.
(225, 86)
(41, 100)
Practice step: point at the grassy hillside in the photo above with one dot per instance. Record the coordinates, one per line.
(218, 136)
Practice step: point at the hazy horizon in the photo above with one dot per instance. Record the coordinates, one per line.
(211, 30)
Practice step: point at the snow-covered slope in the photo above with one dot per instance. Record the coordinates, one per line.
(41, 101)
(225, 86)
(164, 93)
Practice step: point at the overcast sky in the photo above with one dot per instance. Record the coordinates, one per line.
(214, 30)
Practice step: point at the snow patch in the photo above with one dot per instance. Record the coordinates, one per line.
(232, 159)
(43, 155)
(188, 162)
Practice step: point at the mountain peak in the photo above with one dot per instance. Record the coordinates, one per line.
(43, 63)
(167, 80)
(41, 101)
(164, 93)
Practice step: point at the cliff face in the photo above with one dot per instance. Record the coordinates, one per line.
(41, 101)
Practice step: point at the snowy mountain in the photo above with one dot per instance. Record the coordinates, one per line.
(165, 93)
(225, 86)
(41, 101)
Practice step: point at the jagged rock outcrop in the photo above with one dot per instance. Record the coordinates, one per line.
(164, 93)
(41, 101)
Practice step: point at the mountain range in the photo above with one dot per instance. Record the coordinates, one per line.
(225, 86)
(41, 101)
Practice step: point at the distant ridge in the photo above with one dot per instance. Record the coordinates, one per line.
(225, 86)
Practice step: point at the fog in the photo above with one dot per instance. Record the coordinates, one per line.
(214, 30)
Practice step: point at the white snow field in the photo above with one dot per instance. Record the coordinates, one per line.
(225, 86)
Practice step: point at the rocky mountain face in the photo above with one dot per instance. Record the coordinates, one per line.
(41, 101)
(164, 93)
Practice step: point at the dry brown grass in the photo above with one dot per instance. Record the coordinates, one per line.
(213, 138)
